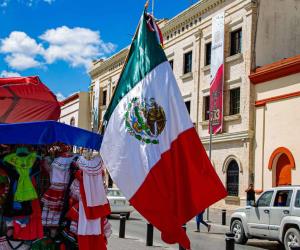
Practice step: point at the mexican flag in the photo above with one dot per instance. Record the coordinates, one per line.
(150, 146)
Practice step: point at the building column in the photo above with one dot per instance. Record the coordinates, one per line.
(259, 143)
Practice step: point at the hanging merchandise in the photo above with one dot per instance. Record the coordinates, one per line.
(7, 244)
(50, 197)
(54, 197)
(43, 244)
(92, 209)
(22, 210)
(22, 162)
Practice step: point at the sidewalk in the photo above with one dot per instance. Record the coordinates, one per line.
(215, 216)
(135, 240)
(115, 243)
(133, 243)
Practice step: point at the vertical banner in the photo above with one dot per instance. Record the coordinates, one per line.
(217, 73)
(96, 106)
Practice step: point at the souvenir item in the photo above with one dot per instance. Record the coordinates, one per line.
(53, 198)
(92, 209)
(33, 229)
(43, 244)
(7, 244)
(23, 165)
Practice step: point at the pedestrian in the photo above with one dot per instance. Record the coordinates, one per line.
(199, 219)
(250, 195)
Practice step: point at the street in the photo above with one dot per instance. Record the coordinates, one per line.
(135, 237)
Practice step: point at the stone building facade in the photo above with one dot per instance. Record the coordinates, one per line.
(276, 144)
(187, 39)
(75, 110)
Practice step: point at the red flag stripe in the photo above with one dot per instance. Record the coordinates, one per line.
(165, 198)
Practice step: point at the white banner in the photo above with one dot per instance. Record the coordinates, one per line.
(217, 73)
(96, 106)
(217, 45)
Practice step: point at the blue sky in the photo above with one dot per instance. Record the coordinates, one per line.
(57, 39)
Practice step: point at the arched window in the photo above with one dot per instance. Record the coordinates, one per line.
(72, 122)
(232, 181)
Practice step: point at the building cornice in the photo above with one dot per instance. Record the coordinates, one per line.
(276, 70)
(182, 18)
(190, 14)
(186, 17)
(69, 99)
(263, 102)
(114, 61)
(226, 137)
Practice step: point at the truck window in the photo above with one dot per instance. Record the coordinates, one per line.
(283, 198)
(297, 201)
(265, 199)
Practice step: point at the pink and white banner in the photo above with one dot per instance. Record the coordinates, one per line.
(217, 73)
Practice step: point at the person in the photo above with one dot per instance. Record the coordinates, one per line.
(250, 195)
(281, 200)
(199, 219)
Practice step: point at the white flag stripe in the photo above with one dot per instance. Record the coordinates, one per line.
(119, 149)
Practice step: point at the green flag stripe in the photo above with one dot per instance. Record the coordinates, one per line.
(144, 55)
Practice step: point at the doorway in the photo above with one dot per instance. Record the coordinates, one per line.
(283, 171)
(281, 164)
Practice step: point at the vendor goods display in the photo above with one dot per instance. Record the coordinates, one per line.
(51, 198)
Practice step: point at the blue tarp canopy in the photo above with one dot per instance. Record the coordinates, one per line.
(48, 132)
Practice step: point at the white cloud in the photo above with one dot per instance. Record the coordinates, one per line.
(5, 73)
(22, 62)
(21, 51)
(29, 3)
(77, 46)
(19, 42)
(60, 96)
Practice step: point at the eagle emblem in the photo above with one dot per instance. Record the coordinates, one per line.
(145, 119)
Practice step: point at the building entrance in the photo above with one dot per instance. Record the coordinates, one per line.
(283, 171)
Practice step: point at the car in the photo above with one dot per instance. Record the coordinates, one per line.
(118, 202)
(275, 216)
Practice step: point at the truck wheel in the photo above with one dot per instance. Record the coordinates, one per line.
(238, 230)
(291, 238)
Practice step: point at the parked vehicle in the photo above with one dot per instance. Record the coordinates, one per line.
(118, 203)
(275, 216)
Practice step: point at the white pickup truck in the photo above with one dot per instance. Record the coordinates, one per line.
(275, 216)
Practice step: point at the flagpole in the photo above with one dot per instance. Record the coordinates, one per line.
(125, 63)
(153, 8)
(209, 151)
(135, 33)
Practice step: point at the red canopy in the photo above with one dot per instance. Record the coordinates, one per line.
(24, 99)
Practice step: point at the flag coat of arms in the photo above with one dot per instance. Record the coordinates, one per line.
(150, 146)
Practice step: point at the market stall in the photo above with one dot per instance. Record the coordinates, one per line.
(50, 197)
(25, 99)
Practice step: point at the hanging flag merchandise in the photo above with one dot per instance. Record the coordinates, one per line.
(217, 74)
(150, 146)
